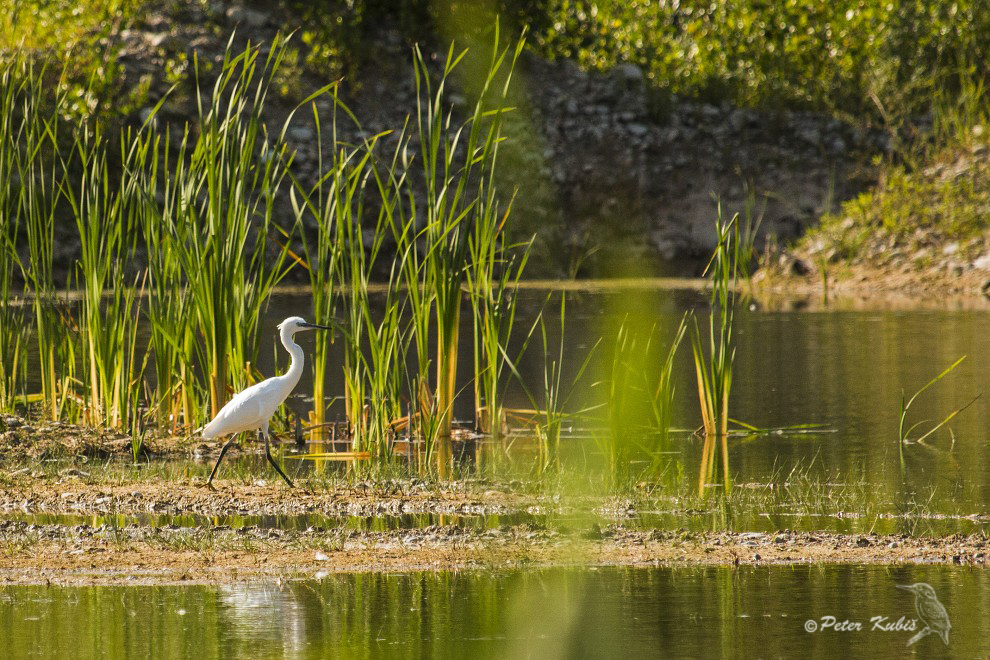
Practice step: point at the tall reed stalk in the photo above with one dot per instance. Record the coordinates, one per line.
(640, 392)
(167, 307)
(30, 142)
(107, 210)
(318, 206)
(14, 325)
(458, 162)
(714, 366)
(218, 224)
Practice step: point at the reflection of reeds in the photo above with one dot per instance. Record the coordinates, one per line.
(714, 366)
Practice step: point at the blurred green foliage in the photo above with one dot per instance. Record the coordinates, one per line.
(76, 37)
(847, 57)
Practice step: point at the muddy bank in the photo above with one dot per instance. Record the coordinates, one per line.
(70, 493)
(43, 554)
(73, 528)
(794, 280)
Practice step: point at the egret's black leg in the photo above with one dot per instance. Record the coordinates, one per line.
(216, 467)
(268, 455)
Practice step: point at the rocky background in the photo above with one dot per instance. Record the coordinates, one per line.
(605, 169)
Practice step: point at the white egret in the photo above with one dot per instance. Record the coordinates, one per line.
(251, 409)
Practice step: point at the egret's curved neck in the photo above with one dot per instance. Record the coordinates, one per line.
(292, 376)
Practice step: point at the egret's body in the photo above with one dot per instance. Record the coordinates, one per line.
(251, 409)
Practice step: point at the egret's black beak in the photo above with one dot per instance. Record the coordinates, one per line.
(315, 326)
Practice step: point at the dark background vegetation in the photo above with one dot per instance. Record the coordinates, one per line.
(873, 97)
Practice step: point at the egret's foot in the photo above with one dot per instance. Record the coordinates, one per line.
(287, 480)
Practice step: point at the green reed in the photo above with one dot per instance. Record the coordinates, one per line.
(904, 431)
(457, 163)
(108, 209)
(202, 205)
(411, 265)
(493, 279)
(14, 324)
(319, 206)
(713, 367)
(167, 308)
(660, 385)
(33, 196)
(551, 406)
(372, 347)
(217, 224)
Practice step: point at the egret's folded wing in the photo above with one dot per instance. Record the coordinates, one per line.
(242, 413)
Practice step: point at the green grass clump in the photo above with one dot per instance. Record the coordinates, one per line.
(714, 365)
(949, 197)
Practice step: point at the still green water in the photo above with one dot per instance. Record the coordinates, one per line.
(845, 370)
(560, 613)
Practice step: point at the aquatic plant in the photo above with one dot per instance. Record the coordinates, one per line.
(33, 191)
(14, 325)
(457, 164)
(107, 210)
(217, 224)
(904, 431)
(713, 367)
(638, 404)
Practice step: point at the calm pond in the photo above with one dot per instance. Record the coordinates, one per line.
(845, 370)
(556, 613)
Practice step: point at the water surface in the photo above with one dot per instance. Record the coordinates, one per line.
(554, 613)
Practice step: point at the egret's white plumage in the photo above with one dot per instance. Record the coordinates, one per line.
(251, 409)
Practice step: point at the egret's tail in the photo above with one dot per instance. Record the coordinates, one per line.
(207, 430)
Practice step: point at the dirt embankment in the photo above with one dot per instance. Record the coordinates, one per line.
(35, 554)
(34, 549)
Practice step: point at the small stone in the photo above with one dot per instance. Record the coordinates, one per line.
(630, 72)
(302, 134)
(161, 40)
(249, 17)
